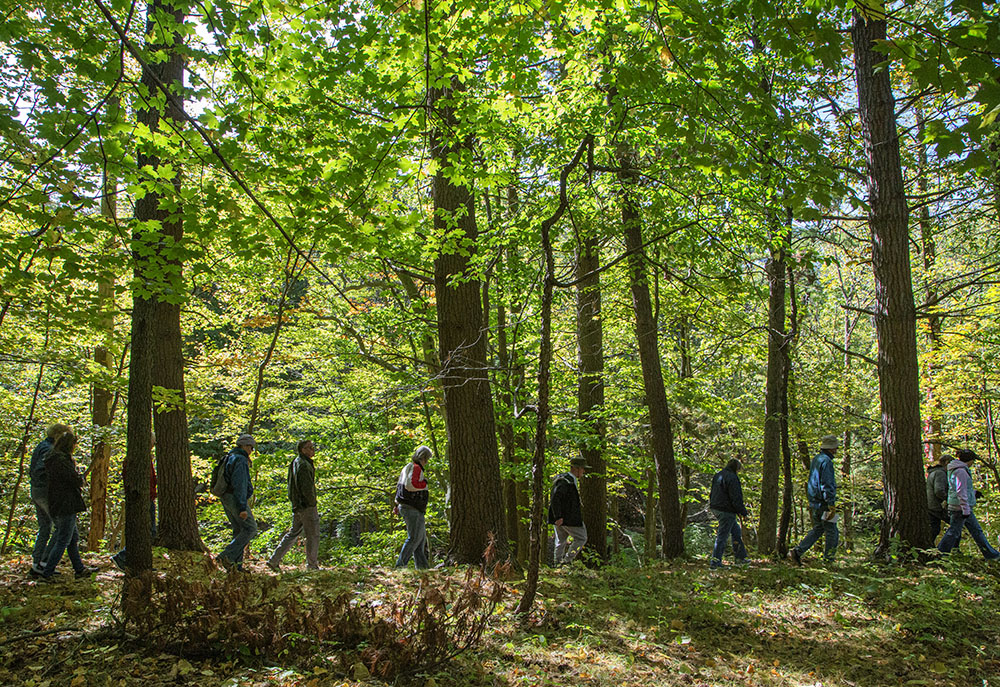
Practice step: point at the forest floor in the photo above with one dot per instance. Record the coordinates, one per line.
(678, 623)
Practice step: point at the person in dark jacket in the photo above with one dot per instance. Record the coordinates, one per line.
(937, 495)
(65, 500)
(411, 504)
(305, 516)
(40, 496)
(566, 512)
(236, 502)
(726, 502)
(821, 490)
(961, 501)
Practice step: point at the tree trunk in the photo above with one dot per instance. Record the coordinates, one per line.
(895, 314)
(473, 458)
(929, 248)
(590, 395)
(100, 455)
(178, 523)
(661, 431)
(775, 398)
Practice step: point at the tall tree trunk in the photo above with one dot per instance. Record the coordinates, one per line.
(100, 455)
(473, 457)
(649, 521)
(590, 394)
(661, 430)
(178, 522)
(895, 314)
(775, 397)
(929, 248)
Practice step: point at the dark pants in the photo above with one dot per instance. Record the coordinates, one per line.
(729, 526)
(821, 528)
(42, 548)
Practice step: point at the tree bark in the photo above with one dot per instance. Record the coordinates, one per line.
(661, 430)
(775, 392)
(590, 395)
(100, 455)
(473, 457)
(178, 522)
(895, 314)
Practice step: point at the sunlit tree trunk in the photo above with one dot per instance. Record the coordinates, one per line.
(661, 430)
(895, 314)
(100, 454)
(473, 456)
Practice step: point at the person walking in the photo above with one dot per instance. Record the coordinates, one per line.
(726, 502)
(961, 501)
(821, 490)
(236, 502)
(411, 504)
(566, 512)
(65, 500)
(937, 495)
(39, 482)
(305, 516)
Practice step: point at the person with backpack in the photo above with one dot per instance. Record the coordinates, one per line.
(235, 502)
(726, 502)
(961, 501)
(65, 500)
(305, 516)
(40, 496)
(411, 504)
(821, 490)
(566, 512)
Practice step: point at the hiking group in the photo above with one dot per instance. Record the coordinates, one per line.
(57, 495)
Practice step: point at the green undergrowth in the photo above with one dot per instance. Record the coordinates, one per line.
(677, 623)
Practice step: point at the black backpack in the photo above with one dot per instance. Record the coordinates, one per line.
(219, 484)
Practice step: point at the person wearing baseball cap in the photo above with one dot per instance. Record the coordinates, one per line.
(821, 490)
(235, 502)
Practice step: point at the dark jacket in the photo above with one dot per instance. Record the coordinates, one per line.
(565, 501)
(937, 488)
(238, 476)
(39, 480)
(302, 483)
(65, 485)
(822, 486)
(411, 488)
(727, 493)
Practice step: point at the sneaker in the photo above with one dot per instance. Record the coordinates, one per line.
(275, 568)
(226, 563)
(795, 557)
(34, 572)
(85, 572)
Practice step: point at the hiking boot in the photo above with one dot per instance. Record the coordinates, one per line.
(34, 572)
(85, 572)
(795, 557)
(274, 567)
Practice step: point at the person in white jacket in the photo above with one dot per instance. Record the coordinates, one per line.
(961, 500)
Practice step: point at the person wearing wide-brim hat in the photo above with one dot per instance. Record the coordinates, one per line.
(566, 513)
(821, 490)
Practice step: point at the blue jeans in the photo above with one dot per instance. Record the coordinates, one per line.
(38, 554)
(954, 533)
(65, 537)
(243, 530)
(416, 538)
(820, 528)
(729, 526)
